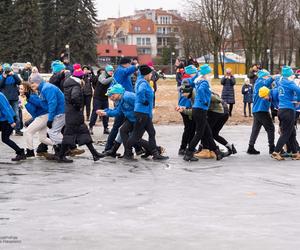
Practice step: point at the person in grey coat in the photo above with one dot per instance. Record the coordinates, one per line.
(228, 82)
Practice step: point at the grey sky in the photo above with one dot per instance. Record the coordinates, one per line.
(110, 8)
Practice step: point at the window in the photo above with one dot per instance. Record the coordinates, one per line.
(176, 30)
(137, 28)
(149, 28)
(148, 41)
(107, 51)
(159, 30)
(139, 41)
(144, 51)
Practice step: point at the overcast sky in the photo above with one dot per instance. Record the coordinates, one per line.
(110, 8)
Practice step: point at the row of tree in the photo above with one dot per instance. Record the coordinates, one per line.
(39, 30)
(266, 31)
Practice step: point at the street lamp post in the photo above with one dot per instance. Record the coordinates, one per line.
(68, 51)
(269, 59)
(172, 54)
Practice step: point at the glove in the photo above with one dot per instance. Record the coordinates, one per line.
(145, 103)
(49, 124)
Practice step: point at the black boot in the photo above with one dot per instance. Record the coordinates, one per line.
(181, 151)
(219, 154)
(158, 157)
(20, 156)
(231, 149)
(113, 151)
(271, 149)
(189, 156)
(252, 151)
(29, 153)
(96, 155)
(60, 151)
(42, 150)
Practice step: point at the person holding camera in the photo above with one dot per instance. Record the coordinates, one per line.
(9, 86)
(228, 82)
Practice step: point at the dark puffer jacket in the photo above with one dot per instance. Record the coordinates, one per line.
(228, 90)
(76, 131)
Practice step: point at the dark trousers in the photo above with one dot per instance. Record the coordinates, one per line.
(119, 120)
(21, 119)
(188, 132)
(230, 108)
(15, 107)
(287, 130)
(247, 104)
(99, 104)
(87, 99)
(216, 122)
(262, 119)
(7, 130)
(202, 130)
(143, 123)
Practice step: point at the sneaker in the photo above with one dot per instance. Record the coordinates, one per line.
(20, 156)
(64, 160)
(252, 151)
(106, 131)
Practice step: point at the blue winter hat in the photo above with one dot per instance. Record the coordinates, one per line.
(57, 66)
(262, 73)
(191, 69)
(116, 89)
(6, 67)
(109, 68)
(205, 69)
(287, 71)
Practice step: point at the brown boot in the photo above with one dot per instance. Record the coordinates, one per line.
(296, 157)
(277, 156)
(203, 154)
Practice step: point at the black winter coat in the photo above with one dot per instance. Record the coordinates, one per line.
(88, 82)
(76, 131)
(228, 90)
(58, 79)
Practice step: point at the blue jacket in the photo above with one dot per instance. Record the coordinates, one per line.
(260, 104)
(36, 107)
(289, 92)
(123, 76)
(6, 111)
(185, 102)
(9, 86)
(53, 98)
(203, 95)
(125, 106)
(247, 91)
(144, 97)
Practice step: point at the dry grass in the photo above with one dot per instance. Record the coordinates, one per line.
(166, 101)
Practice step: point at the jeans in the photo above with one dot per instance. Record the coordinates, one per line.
(189, 131)
(39, 125)
(143, 123)
(249, 108)
(287, 130)
(262, 119)
(7, 130)
(202, 130)
(87, 99)
(99, 104)
(15, 107)
(114, 132)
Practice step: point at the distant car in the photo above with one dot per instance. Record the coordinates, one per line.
(17, 67)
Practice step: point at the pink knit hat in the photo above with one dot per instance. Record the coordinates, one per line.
(78, 72)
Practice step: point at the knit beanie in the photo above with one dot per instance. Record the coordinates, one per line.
(145, 70)
(109, 68)
(262, 73)
(191, 69)
(205, 69)
(57, 66)
(78, 72)
(116, 89)
(6, 67)
(264, 92)
(287, 71)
